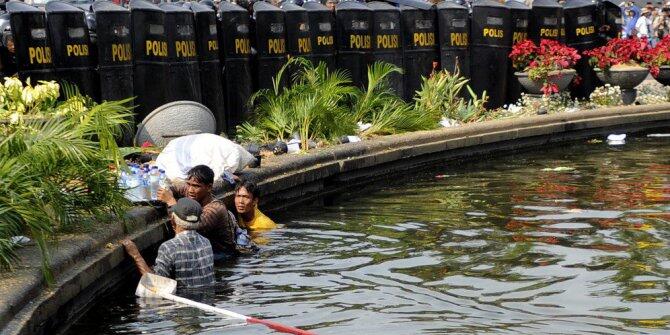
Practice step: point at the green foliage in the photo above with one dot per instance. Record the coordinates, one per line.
(386, 113)
(313, 106)
(440, 95)
(54, 166)
(324, 105)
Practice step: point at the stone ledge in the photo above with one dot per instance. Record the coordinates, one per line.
(85, 267)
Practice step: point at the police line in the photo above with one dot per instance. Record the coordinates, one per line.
(167, 52)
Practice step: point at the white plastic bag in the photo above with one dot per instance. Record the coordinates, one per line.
(219, 153)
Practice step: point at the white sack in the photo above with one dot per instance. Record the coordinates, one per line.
(219, 153)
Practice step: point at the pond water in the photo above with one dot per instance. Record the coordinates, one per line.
(570, 240)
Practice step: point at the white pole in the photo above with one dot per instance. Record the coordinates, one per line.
(202, 306)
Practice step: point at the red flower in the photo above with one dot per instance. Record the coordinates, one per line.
(620, 51)
(539, 60)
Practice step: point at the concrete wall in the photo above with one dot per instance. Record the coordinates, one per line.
(89, 265)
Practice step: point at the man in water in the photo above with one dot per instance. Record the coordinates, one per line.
(217, 224)
(188, 256)
(246, 204)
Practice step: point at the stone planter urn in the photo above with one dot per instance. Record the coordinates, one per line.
(561, 78)
(627, 77)
(664, 75)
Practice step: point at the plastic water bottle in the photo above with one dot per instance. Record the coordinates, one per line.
(145, 189)
(163, 182)
(154, 176)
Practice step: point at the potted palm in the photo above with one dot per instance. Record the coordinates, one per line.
(544, 69)
(623, 63)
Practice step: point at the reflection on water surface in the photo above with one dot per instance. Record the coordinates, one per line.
(566, 240)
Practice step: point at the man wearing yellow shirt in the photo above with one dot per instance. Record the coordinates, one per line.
(246, 203)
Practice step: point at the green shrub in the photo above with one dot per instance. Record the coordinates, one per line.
(55, 160)
(441, 95)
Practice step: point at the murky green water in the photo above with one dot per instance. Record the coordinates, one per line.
(570, 240)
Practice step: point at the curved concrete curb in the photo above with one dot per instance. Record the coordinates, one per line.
(86, 265)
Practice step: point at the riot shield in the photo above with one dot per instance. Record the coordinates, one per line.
(150, 57)
(73, 54)
(386, 40)
(609, 20)
(546, 21)
(454, 29)
(270, 43)
(419, 25)
(490, 42)
(115, 56)
(207, 46)
(299, 42)
(184, 81)
(235, 51)
(31, 41)
(520, 14)
(322, 28)
(354, 40)
(298, 37)
(581, 34)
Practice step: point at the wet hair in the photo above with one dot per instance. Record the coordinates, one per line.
(250, 186)
(202, 174)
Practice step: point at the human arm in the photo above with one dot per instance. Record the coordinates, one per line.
(168, 195)
(134, 253)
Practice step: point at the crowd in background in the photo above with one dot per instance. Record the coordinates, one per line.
(651, 21)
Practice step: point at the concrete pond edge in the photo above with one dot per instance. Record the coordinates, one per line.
(87, 265)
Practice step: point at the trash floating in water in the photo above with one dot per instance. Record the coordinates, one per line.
(442, 176)
(658, 135)
(616, 139)
(559, 169)
(595, 141)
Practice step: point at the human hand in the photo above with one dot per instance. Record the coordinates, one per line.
(165, 195)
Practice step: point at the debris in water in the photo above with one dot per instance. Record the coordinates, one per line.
(559, 169)
(658, 135)
(595, 141)
(442, 176)
(616, 139)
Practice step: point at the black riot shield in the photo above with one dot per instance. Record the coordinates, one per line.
(270, 43)
(420, 57)
(115, 55)
(386, 40)
(73, 54)
(520, 14)
(235, 52)
(184, 81)
(581, 34)
(207, 45)
(354, 39)
(322, 28)
(546, 21)
(298, 36)
(31, 41)
(609, 20)
(490, 42)
(454, 29)
(150, 57)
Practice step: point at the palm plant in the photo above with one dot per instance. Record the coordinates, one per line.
(54, 167)
(312, 107)
(386, 113)
(442, 94)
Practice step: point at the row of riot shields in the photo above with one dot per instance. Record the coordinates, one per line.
(167, 52)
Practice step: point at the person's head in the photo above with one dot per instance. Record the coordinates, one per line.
(666, 10)
(646, 12)
(246, 197)
(186, 215)
(199, 181)
(331, 4)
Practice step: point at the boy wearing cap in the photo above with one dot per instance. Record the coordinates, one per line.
(187, 257)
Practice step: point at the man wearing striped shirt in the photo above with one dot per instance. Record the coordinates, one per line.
(187, 257)
(218, 225)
